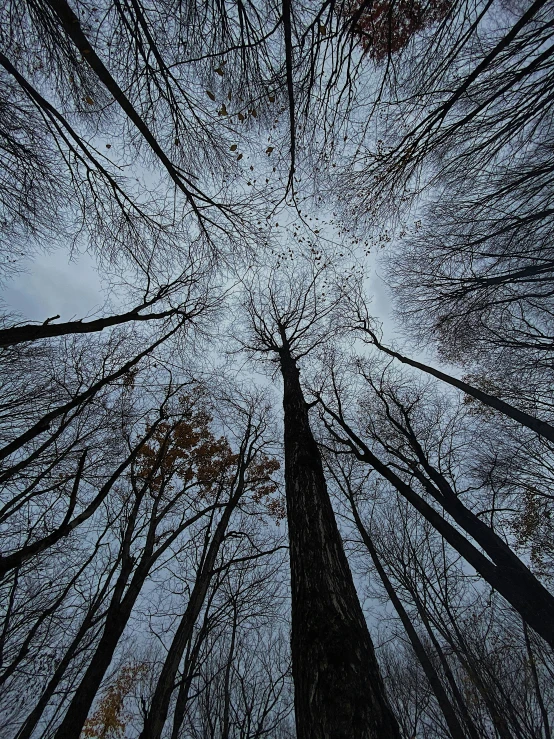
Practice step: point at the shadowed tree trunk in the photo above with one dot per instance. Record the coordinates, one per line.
(339, 692)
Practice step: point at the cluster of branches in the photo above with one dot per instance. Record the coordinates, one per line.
(142, 506)
(463, 158)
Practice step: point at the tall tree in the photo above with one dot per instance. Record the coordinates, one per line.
(338, 687)
(343, 477)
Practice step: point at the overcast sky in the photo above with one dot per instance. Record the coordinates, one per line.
(51, 285)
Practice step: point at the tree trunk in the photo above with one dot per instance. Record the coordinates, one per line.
(116, 620)
(27, 729)
(507, 574)
(184, 690)
(462, 654)
(46, 421)
(35, 332)
(534, 601)
(339, 693)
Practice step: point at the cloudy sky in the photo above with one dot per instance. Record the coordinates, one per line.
(52, 284)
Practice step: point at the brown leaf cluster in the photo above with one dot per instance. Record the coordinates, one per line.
(187, 450)
(109, 720)
(386, 27)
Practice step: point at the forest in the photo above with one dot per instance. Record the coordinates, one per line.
(292, 476)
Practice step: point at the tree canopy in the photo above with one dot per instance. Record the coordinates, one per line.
(247, 495)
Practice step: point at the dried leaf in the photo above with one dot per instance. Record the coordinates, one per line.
(210, 94)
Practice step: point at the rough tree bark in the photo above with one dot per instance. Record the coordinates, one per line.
(339, 693)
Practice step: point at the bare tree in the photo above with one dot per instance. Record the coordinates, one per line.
(365, 326)
(343, 477)
(473, 641)
(338, 688)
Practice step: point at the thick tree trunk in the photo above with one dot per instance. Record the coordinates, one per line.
(339, 693)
